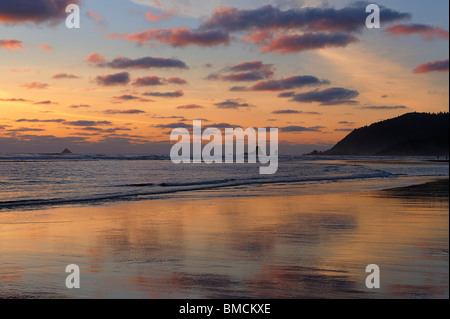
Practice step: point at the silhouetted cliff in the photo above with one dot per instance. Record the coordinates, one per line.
(412, 134)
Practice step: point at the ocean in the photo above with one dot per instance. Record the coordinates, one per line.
(143, 227)
(29, 181)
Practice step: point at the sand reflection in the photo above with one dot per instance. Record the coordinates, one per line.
(311, 246)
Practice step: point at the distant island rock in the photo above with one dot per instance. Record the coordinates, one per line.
(412, 134)
(66, 151)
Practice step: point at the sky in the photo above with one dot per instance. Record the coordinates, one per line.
(136, 69)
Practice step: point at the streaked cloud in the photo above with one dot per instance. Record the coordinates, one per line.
(383, 107)
(60, 76)
(159, 17)
(289, 83)
(233, 104)
(176, 80)
(428, 32)
(434, 66)
(87, 123)
(121, 78)
(299, 129)
(35, 85)
(140, 63)
(148, 81)
(284, 44)
(132, 111)
(11, 45)
(176, 37)
(308, 19)
(331, 96)
(189, 107)
(178, 93)
(288, 112)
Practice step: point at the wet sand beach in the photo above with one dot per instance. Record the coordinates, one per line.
(296, 246)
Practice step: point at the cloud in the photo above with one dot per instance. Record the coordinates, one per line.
(232, 104)
(427, 31)
(285, 44)
(23, 71)
(26, 129)
(46, 47)
(344, 130)
(128, 97)
(189, 107)
(95, 58)
(35, 85)
(40, 121)
(148, 81)
(64, 76)
(88, 123)
(243, 76)
(140, 63)
(331, 96)
(99, 21)
(177, 38)
(298, 129)
(384, 107)
(245, 72)
(286, 94)
(14, 100)
(289, 83)
(294, 112)
(434, 66)
(257, 36)
(250, 66)
(122, 78)
(178, 93)
(176, 80)
(238, 89)
(174, 125)
(307, 19)
(346, 123)
(286, 112)
(168, 117)
(189, 126)
(79, 106)
(133, 111)
(159, 17)
(46, 103)
(11, 45)
(36, 11)
(103, 130)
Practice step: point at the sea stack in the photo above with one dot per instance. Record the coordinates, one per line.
(66, 151)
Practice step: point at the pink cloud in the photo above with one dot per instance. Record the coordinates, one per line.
(95, 58)
(35, 85)
(11, 45)
(428, 32)
(180, 37)
(46, 47)
(159, 17)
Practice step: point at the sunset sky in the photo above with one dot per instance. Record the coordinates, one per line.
(138, 68)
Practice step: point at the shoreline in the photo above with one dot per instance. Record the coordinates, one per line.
(401, 186)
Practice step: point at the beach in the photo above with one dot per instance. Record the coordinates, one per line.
(213, 244)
